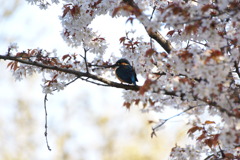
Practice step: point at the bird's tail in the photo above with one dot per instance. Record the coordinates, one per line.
(134, 81)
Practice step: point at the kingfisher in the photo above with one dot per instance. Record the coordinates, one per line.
(125, 72)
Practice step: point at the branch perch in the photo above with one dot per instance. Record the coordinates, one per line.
(108, 83)
(71, 71)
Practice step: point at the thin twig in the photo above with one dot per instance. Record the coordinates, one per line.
(221, 151)
(46, 126)
(154, 8)
(204, 44)
(99, 84)
(45, 108)
(71, 81)
(85, 59)
(161, 124)
(208, 157)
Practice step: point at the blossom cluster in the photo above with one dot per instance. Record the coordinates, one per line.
(201, 69)
(53, 79)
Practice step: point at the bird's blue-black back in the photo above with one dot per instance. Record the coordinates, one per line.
(125, 72)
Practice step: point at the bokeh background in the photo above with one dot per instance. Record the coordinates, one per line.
(85, 121)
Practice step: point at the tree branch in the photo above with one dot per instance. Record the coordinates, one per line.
(85, 76)
(166, 45)
(71, 71)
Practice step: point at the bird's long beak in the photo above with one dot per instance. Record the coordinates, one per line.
(106, 66)
(109, 66)
(112, 66)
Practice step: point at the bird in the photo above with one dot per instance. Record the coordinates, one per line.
(125, 72)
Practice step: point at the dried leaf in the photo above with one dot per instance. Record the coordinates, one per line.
(146, 86)
(15, 66)
(65, 56)
(75, 10)
(99, 39)
(202, 136)
(194, 129)
(209, 122)
(151, 121)
(65, 11)
(149, 52)
(215, 137)
(115, 11)
(10, 64)
(170, 33)
(185, 55)
(229, 155)
(127, 105)
(137, 101)
(209, 142)
(191, 29)
(130, 19)
(122, 39)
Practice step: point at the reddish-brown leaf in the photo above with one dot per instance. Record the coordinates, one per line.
(132, 9)
(22, 54)
(214, 142)
(65, 56)
(151, 102)
(185, 55)
(170, 33)
(116, 10)
(209, 122)
(54, 60)
(202, 136)
(99, 39)
(122, 39)
(10, 64)
(215, 137)
(75, 10)
(237, 111)
(151, 121)
(186, 80)
(127, 105)
(130, 19)
(149, 52)
(164, 54)
(209, 142)
(94, 5)
(55, 76)
(234, 41)
(146, 86)
(194, 129)
(137, 101)
(65, 11)
(214, 55)
(229, 155)
(15, 66)
(191, 29)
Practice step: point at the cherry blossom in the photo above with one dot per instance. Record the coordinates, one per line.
(189, 61)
